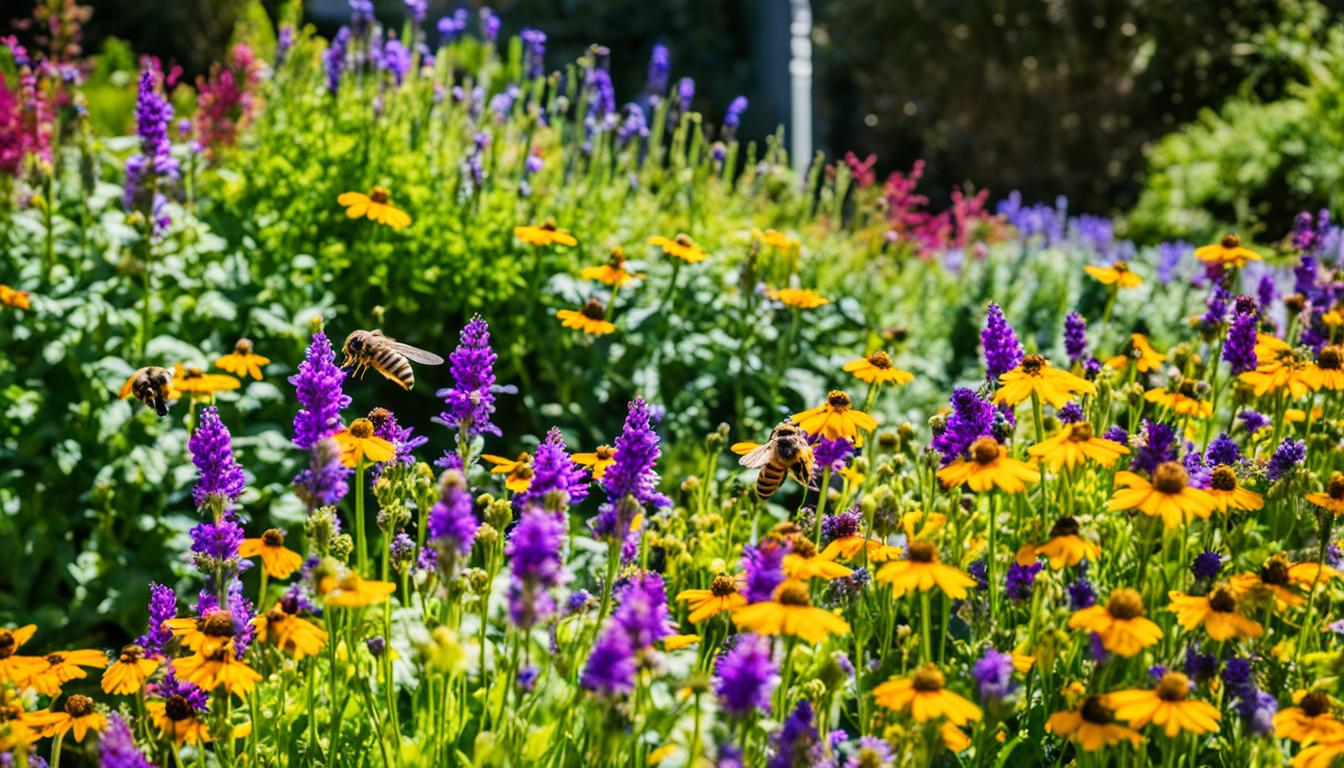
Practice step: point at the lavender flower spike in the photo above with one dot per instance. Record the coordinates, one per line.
(220, 478)
(1003, 352)
(553, 470)
(745, 677)
(471, 401)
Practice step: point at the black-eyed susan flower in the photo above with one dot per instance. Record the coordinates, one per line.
(681, 247)
(205, 633)
(179, 711)
(804, 561)
(677, 642)
(878, 369)
(1332, 500)
(1120, 623)
(850, 547)
(544, 235)
(278, 560)
(722, 596)
(63, 666)
(375, 206)
(1140, 352)
(602, 457)
(1117, 273)
(1321, 754)
(988, 467)
(924, 697)
(1310, 719)
(1074, 444)
(1168, 496)
(1227, 492)
(591, 318)
(1035, 376)
(1280, 578)
(1167, 705)
(921, 571)
(1091, 726)
(1217, 611)
(11, 297)
(790, 613)
(775, 239)
(359, 444)
(835, 418)
(798, 298)
(243, 361)
(1228, 252)
(128, 672)
(292, 634)
(14, 668)
(1329, 368)
(1182, 399)
(78, 716)
(194, 381)
(517, 472)
(1281, 369)
(354, 591)
(219, 668)
(612, 273)
(1065, 547)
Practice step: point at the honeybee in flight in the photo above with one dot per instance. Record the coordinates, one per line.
(371, 349)
(785, 453)
(152, 386)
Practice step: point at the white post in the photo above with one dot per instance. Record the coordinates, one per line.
(800, 84)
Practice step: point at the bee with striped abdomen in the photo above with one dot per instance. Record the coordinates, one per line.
(371, 349)
(785, 453)
(152, 386)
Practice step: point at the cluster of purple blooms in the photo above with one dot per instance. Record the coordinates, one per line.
(470, 402)
(153, 168)
(631, 482)
(318, 388)
(639, 621)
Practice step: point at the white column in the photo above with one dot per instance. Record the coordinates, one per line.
(800, 84)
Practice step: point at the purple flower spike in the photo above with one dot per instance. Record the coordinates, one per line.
(220, 478)
(745, 677)
(471, 401)
(1003, 352)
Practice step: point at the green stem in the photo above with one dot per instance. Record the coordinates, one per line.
(361, 546)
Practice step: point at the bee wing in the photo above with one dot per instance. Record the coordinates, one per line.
(415, 354)
(758, 457)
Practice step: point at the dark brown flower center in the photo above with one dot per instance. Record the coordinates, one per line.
(1080, 432)
(1064, 526)
(276, 615)
(684, 240)
(1174, 686)
(1224, 478)
(604, 452)
(838, 400)
(218, 624)
(1331, 358)
(880, 360)
(1095, 712)
(192, 373)
(802, 546)
(380, 195)
(243, 347)
(1231, 241)
(593, 310)
(922, 552)
(176, 707)
(617, 258)
(1120, 266)
(1315, 704)
(1335, 489)
(79, 706)
(985, 450)
(523, 472)
(1275, 571)
(361, 429)
(1169, 478)
(55, 659)
(10, 712)
(548, 225)
(7, 644)
(1032, 365)
(273, 537)
(378, 417)
(1125, 603)
(1222, 600)
(928, 679)
(792, 593)
(723, 585)
(130, 654)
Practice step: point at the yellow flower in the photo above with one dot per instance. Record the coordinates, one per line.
(1217, 611)
(1281, 368)
(662, 753)
(1168, 496)
(17, 669)
(601, 458)
(205, 633)
(1320, 755)
(128, 673)
(278, 560)
(1074, 444)
(677, 642)
(1183, 400)
(877, 369)
(790, 613)
(924, 696)
(1064, 547)
(1141, 352)
(1167, 705)
(63, 666)
(359, 444)
(1229, 252)
(175, 717)
(1120, 623)
(220, 668)
(518, 471)
(78, 715)
(590, 318)
(544, 235)
(1332, 500)
(721, 596)
(775, 239)
(835, 419)
(353, 591)
(804, 561)
(1312, 719)
(1036, 376)
(921, 571)
(681, 247)
(1227, 492)
(798, 298)
(13, 298)
(194, 381)
(1329, 370)
(294, 635)
(375, 207)
(988, 467)
(613, 272)
(1278, 578)
(1116, 274)
(1091, 726)
(242, 361)
(849, 548)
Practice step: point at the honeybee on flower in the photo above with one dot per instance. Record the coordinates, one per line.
(376, 206)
